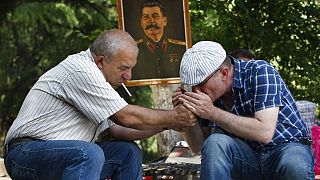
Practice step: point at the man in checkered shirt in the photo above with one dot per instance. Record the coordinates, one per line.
(258, 131)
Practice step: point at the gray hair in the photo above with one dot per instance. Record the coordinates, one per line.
(111, 41)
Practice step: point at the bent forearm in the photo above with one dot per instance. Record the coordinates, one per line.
(245, 127)
(143, 118)
(195, 136)
(124, 133)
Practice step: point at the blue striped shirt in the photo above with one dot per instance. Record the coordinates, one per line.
(257, 86)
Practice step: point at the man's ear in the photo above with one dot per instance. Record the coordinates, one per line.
(224, 72)
(165, 19)
(99, 60)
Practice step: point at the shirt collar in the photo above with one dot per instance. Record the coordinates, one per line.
(237, 80)
(88, 52)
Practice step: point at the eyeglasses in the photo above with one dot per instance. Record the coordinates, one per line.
(207, 79)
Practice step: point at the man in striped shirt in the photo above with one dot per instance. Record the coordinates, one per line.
(258, 131)
(54, 135)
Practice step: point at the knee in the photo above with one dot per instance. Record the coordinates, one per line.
(216, 143)
(217, 154)
(132, 149)
(298, 162)
(91, 153)
(294, 170)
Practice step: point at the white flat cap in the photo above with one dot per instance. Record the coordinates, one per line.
(200, 61)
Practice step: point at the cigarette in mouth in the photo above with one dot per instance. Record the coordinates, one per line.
(125, 88)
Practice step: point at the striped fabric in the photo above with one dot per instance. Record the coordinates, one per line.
(72, 101)
(198, 62)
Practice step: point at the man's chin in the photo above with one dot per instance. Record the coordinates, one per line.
(115, 86)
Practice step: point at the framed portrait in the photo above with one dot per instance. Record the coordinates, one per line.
(161, 29)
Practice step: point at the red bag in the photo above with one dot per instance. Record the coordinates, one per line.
(316, 148)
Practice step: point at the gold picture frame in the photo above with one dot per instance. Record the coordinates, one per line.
(175, 40)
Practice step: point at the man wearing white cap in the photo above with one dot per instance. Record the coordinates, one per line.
(258, 131)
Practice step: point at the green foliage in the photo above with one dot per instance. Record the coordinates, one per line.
(286, 33)
(149, 149)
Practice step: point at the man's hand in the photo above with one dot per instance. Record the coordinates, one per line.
(184, 117)
(198, 102)
(175, 96)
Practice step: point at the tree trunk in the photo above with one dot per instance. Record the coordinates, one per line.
(161, 97)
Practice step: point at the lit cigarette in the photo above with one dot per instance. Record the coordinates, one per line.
(125, 88)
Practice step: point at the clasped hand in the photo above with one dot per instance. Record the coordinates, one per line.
(197, 102)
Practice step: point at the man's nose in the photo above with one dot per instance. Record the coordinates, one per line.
(127, 75)
(150, 19)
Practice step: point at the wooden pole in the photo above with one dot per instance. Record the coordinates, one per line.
(161, 97)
